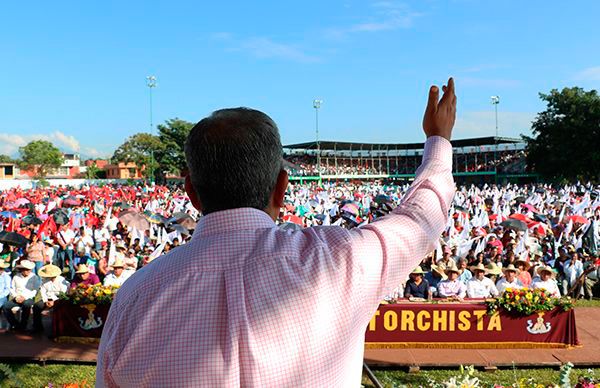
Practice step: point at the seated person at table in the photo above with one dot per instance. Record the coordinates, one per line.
(52, 285)
(524, 276)
(117, 276)
(84, 276)
(416, 286)
(509, 280)
(452, 287)
(465, 274)
(434, 277)
(546, 281)
(23, 288)
(5, 281)
(479, 286)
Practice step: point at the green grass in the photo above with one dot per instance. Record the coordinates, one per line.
(35, 375)
(588, 303)
(506, 377)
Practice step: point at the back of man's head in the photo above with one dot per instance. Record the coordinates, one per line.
(234, 157)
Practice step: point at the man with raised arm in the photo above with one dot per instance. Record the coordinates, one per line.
(245, 303)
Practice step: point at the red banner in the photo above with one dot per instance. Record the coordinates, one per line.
(467, 325)
(78, 323)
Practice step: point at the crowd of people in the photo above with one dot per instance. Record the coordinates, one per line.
(497, 237)
(513, 161)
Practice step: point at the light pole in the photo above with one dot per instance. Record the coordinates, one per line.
(151, 83)
(317, 106)
(495, 102)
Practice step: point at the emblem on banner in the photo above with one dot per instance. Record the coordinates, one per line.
(539, 327)
(92, 322)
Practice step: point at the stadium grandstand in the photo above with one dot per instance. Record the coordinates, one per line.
(487, 159)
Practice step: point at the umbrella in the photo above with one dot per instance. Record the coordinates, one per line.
(21, 202)
(71, 201)
(520, 217)
(9, 214)
(530, 207)
(541, 218)
(31, 220)
(540, 191)
(61, 217)
(520, 199)
(133, 219)
(351, 208)
(155, 218)
(180, 228)
(515, 224)
(13, 238)
(578, 219)
(122, 205)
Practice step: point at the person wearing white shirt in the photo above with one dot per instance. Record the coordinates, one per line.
(573, 269)
(479, 286)
(509, 280)
(23, 288)
(65, 253)
(117, 276)
(52, 286)
(546, 281)
(85, 241)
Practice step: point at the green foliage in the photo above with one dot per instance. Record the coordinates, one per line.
(7, 372)
(41, 155)
(566, 136)
(172, 135)
(140, 149)
(92, 171)
(6, 159)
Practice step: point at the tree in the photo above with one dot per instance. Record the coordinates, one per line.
(40, 155)
(566, 136)
(92, 171)
(141, 149)
(172, 135)
(6, 159)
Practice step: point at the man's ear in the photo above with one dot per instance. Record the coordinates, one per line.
(280, 189)
(191, 192)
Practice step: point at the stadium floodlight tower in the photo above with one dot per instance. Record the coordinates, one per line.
(317, 105)
(151, 83)
(495, 102)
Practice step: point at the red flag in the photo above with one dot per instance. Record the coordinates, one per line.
(48, 227)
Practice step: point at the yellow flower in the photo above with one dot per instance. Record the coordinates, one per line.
(517, 297)
(529, 296)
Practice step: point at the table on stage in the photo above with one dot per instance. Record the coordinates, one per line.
(466, 324)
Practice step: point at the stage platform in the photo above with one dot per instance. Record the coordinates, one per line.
(39, 349)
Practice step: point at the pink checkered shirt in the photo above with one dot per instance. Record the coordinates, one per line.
(247, 304)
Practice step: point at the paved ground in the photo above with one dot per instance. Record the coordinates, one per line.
(38, 348)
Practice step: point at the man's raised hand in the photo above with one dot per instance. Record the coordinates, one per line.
(440, 114)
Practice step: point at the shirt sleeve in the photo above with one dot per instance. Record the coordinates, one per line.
(388, 249)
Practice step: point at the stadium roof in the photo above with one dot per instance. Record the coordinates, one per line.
(343, 145)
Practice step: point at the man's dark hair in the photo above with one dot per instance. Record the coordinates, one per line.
(234, 157)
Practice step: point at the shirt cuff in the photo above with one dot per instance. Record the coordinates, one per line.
(437, 147)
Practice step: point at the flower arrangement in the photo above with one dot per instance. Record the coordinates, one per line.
(95, 294)
(527, 301)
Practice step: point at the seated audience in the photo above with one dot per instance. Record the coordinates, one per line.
(480, 286)
(452, 287)
(53, 284)
(509, 280)
(84, 276)
(416, 286)
(24, 287)
(546, 281)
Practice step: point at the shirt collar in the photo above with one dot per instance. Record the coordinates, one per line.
(232, 220)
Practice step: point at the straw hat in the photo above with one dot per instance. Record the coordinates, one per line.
(118, 264)
(121, 245)
(493, 269)
(49, 271)
(546, 268)
(512, 268)
(452, 268)
(82, 268)
(4, 264)
(26, 264)
(439, 270)
(525, 262)
(418, 271)
(479, 267)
